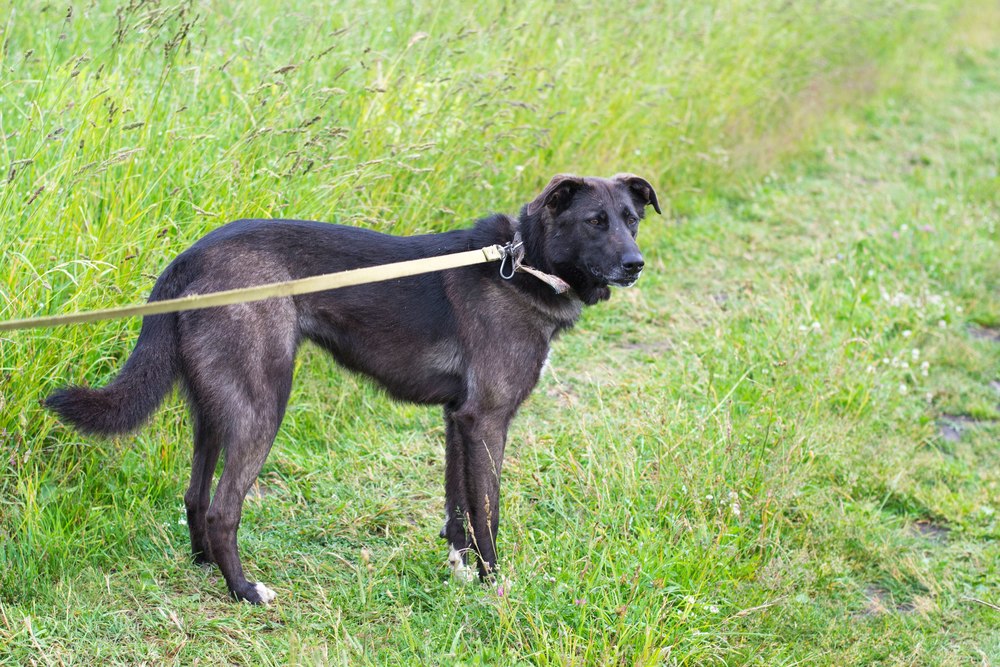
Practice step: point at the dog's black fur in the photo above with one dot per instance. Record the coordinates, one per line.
(464, 338)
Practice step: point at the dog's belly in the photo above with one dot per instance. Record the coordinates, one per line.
(410, 364)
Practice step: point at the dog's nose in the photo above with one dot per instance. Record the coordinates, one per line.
(633, 264)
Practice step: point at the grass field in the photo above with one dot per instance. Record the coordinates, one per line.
(779, 448)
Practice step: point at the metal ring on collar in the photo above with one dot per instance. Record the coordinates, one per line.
(508, 253)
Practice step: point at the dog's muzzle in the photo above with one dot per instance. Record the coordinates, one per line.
(625, 281)
(628, 273)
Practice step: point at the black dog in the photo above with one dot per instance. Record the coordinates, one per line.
(466, 338)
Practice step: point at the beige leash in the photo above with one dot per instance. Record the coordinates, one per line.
(319, 283)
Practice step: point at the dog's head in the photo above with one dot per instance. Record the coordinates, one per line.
(583, 230)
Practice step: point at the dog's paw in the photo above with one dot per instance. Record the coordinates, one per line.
(255, 594)
(265, 593)
(201, 559)
(459, 570)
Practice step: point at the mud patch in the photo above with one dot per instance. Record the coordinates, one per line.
(929, 530)
(952, 427)
(880, 601)
(648, 346)
(985, 333)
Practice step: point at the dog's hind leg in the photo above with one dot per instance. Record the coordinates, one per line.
(253, 420)
(237, 362)
(206, 454)
(223, 520)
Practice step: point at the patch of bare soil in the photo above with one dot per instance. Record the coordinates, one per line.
(652, 346)
(880, 602)
(930, 530)
(952, 427)
(985, 333)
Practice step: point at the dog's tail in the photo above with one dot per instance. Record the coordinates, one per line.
(148, 375)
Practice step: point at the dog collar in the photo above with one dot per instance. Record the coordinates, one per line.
(514, 256)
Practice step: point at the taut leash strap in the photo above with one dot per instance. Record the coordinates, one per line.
(320, 283)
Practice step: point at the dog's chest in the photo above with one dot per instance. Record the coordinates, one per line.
(520, 311)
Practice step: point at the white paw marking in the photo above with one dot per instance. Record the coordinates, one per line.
(265, 593)
(459, 570)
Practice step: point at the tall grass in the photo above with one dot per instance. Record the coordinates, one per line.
(127, 131)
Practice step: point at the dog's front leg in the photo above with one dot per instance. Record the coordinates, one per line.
(483, 437)
(456, 501)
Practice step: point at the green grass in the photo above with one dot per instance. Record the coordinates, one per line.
(740, 461)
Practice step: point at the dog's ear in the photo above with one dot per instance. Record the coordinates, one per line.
(641, 189)
(557, 194)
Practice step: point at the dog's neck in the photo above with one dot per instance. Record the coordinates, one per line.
(532, 233)
(534, 253)
(516, 257)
